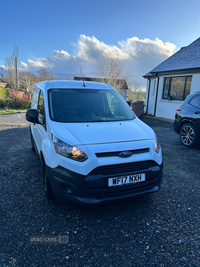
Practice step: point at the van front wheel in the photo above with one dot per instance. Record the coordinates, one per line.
(46, 184)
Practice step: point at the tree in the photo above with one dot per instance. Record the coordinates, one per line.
(110, 70)
(11, 64)
(27, 80)
(44, 75)
(135, 93)
(65, 76)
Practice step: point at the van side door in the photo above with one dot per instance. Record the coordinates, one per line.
(34, 105)
(40, 129)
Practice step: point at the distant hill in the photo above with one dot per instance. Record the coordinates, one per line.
(3, 70)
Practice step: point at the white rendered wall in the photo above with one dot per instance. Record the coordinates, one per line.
(195, 83)
(165, 108)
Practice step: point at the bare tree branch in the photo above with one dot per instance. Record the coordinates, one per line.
(110, 70)
(27, 80)
(45, 75)
(10, 67)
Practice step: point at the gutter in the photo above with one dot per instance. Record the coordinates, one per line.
(148, 95)
(156, 95)
(177, 71)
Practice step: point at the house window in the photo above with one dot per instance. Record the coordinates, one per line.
(177, 88)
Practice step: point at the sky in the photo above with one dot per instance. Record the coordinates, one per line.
(65, 36)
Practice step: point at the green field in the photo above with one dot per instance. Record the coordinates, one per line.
(2, 84)
(11, 111)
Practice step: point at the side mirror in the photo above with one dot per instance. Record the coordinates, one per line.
(32, 116)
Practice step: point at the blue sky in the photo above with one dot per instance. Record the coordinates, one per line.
(66, 35)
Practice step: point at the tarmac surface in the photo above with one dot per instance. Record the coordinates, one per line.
(14, 119)
(160, 229)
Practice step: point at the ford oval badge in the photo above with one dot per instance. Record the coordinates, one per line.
(125, 154)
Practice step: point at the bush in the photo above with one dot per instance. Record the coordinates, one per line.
(19, 100)
(2, 103)
(27, 105)
(14, 103)
(4, 93)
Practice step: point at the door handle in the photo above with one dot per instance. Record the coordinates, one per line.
(197, 112)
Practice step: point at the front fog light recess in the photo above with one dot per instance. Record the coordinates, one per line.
(67, 150)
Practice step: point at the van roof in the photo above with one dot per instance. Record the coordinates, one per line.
(72, 84)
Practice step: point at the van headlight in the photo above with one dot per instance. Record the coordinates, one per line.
(157, 146)
(68, 151)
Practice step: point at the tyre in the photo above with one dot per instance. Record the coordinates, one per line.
(46, 183)
(188, 135)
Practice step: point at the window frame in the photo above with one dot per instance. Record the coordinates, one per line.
(105, 103)
(39, 114)
(169, 89)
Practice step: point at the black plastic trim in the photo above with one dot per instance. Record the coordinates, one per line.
(116, 153)
(93, 188)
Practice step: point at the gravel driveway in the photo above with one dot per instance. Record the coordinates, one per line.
(161, 229)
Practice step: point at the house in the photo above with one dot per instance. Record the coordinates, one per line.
(119, 84)
(169, 83)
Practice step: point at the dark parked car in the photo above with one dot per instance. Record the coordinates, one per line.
(187, 120)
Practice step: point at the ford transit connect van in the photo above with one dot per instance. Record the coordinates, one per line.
(91, 145)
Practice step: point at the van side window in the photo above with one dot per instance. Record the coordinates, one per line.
(34, 102)
(41, 108)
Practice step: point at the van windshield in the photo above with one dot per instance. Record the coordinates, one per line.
(87, 105)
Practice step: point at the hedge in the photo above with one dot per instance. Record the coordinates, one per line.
(4, 93)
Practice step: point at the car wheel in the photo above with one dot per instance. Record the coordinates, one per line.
(32, 143)
(188, 135)
(46, 184)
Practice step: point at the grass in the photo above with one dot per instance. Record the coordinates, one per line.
(3, 84)
(11, 111)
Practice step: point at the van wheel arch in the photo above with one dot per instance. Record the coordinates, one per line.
(46, 181)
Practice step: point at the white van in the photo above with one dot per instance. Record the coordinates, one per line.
(91, 145)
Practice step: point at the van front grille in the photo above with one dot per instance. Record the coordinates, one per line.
(124, 168)
(116, 153)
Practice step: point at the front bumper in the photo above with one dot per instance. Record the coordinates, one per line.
(93, 188)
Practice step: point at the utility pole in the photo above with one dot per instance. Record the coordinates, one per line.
(16, 73)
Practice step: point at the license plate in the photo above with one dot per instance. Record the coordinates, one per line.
(129, 179)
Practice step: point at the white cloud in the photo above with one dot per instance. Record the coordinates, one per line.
(24, 65)
(137, 48)
(92, 48)
(139, 56)
(60, 55)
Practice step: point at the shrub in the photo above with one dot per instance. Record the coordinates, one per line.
(27, 105)
(19, 99)
(2, 103)
(4, 93)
